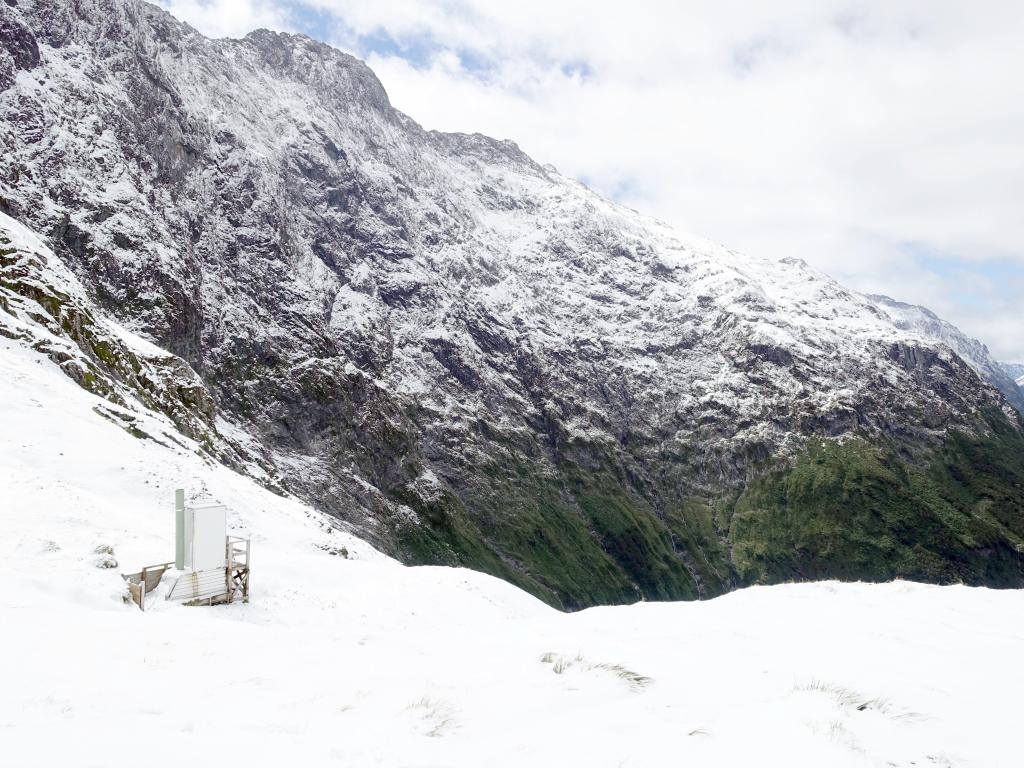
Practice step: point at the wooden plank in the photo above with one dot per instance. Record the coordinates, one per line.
(245, 588)
(198, 585)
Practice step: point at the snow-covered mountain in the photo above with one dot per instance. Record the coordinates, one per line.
(463, 355)
(344, 657)
(927, 324)
(1015, 371)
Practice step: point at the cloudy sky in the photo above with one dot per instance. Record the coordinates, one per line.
(882, 142)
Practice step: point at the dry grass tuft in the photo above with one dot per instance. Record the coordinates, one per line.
(561, 664)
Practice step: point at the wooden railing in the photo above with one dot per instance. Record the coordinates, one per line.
(237, 552)
(145, 581)
(237, 575)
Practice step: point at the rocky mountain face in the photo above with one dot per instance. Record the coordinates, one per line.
(465, 356)
(927, 324)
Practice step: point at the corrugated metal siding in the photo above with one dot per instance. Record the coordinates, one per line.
(199, 584)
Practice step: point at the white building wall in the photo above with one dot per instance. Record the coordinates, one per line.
(205, 536)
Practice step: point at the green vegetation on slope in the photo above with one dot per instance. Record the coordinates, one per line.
(576, 538)
(853, 510)
(546, 542)
(847, 509)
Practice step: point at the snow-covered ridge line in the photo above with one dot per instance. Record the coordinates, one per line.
(933, 329)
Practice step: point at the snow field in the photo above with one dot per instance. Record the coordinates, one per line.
(359, 661)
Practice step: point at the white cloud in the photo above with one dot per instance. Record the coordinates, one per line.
(832, 130)
(230, 18)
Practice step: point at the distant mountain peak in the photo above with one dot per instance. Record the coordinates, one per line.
(920, 319)
(1014, 371)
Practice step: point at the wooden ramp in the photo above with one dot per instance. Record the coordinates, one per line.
(217, 585)
(199, 585)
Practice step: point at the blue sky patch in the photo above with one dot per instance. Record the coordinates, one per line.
(1001, 278)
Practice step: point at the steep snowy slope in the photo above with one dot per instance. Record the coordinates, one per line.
(357, 661)
(472, 359)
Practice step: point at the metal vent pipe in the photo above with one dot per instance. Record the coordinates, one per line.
(179, 529)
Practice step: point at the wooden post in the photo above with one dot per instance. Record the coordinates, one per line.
(228, 557)
(142, 591)
(248, 573)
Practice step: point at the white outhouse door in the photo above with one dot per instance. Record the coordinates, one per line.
(205, 536)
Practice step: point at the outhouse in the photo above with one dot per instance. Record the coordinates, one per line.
(211, 566)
